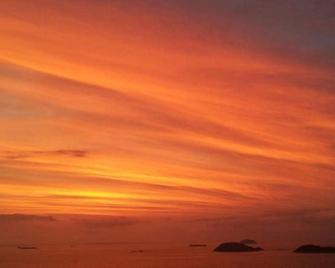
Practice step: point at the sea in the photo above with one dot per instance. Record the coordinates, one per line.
(131, 255)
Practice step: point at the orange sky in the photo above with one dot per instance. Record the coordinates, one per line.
(223, 110)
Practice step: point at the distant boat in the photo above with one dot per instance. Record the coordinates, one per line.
(197, 245)
(26, 247)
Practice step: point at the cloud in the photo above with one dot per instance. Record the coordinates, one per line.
(141, 112)
(25, 218)
(276, 216)
(74, 153)
(105, 223)
(14, 155)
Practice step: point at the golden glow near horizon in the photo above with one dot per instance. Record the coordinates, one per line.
(124, 109)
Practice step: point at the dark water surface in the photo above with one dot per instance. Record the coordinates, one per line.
(145, 255)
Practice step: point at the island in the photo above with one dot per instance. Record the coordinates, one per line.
(248, 242)
(235, 247)
(314, 249)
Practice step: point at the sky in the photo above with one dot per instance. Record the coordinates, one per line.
(167, 120)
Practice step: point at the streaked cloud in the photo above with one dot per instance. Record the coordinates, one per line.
(107, 222)
(167, 109)
(24, 217)
(27, 154)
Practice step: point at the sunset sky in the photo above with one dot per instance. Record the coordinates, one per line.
(167, 119)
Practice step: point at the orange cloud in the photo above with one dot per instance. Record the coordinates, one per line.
(121, 109)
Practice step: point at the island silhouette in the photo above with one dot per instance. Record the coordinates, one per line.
(236, 247)
(314, 249)
(248, 242)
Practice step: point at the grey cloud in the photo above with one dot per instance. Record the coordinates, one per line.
(24, 217)
(275, 216)
(105, 223)
(25, 154)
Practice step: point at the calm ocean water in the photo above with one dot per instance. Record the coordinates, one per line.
(160, 256)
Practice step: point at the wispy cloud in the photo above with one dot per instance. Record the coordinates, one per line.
(107, 222)
(28, 154)
(131, 110)
(24, 218)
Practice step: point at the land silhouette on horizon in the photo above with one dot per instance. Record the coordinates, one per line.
(236, 247)
(314, 249)
(248, 242)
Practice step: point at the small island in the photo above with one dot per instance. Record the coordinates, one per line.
(248, 242)
(235, 247)
(314, 249)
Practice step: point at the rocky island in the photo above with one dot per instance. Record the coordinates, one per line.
(235, 247)
(248, 242)
(314, 249)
